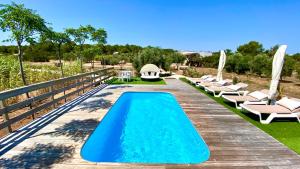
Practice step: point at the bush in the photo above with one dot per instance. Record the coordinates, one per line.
(298, 70)
(235, 80)
(230, 64)
(238, 63)
(191, 72)
(211, 61)
(261, 65)
(10, 76)
(289, 66)
(70, 56)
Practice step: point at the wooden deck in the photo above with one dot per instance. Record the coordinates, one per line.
(55, 140)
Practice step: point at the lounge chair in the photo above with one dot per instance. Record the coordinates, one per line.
(214, 83)
(256, 97)
(197, 80)
(231, 89)
(284, 108)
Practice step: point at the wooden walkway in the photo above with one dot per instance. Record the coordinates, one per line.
(233, 142)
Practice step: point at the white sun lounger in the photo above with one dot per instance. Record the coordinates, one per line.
(214, 83)
(284, 108)
(256, 97)
(197, 80)
(217, 91)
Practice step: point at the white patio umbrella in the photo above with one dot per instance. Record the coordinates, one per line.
(222, 62)
(277, 65)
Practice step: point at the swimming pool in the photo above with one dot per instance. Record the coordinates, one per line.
(146, 127)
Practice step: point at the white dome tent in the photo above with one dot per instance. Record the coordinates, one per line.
(150, 72)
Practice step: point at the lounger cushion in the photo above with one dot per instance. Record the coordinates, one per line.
(289, 103)
(239, 98)
(205, 84)
(205, 76)
(234, 87)
(221, 82)
(268, 109)
(258, 95)
(296, 110)
(219, 89)
(242, 85)
(210, 79)
(265, 91)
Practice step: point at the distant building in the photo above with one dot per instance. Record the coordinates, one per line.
(201, 53)
(191, 55)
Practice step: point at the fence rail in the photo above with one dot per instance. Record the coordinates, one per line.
(52, 88)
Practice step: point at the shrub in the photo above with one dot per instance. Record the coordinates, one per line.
(298, 70)
(10, 72)
(235, 80)
(261, 65)
(289, 66)
(230, 63)
(191, 72)
(211, 61)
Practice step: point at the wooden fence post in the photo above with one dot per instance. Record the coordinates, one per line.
(82, 84)
(77, 87)
(93, 80)
(52, 94)
(30, 105)
(5, 116)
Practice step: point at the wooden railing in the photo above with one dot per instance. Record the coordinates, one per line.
(64, 88)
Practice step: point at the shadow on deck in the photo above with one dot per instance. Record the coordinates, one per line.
(76, 130)
(25, 132)
(41, 156)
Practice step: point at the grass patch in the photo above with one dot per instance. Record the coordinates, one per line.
(287, 132)
(137, 80)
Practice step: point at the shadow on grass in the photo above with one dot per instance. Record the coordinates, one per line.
(39, 156)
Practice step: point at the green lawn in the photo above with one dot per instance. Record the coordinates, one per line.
(137, 80)
(287, 132)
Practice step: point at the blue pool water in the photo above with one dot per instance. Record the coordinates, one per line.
(146, 127)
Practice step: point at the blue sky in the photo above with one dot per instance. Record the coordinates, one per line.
(207, 25)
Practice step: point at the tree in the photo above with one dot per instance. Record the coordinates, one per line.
(80, 35)
(252, 48)
(58, 38)
(271, 52)
(99, 36)
(148, 55)
(90, 53)
(177, 58)
(261, 64)
(288, 67)
(24, 24)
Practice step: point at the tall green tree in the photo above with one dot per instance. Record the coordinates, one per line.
(271, 52)
(99, 36)
(151, 55)
(80, 35)
(90, 53)
(57, 38)
(252, 48)
(24, 25)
